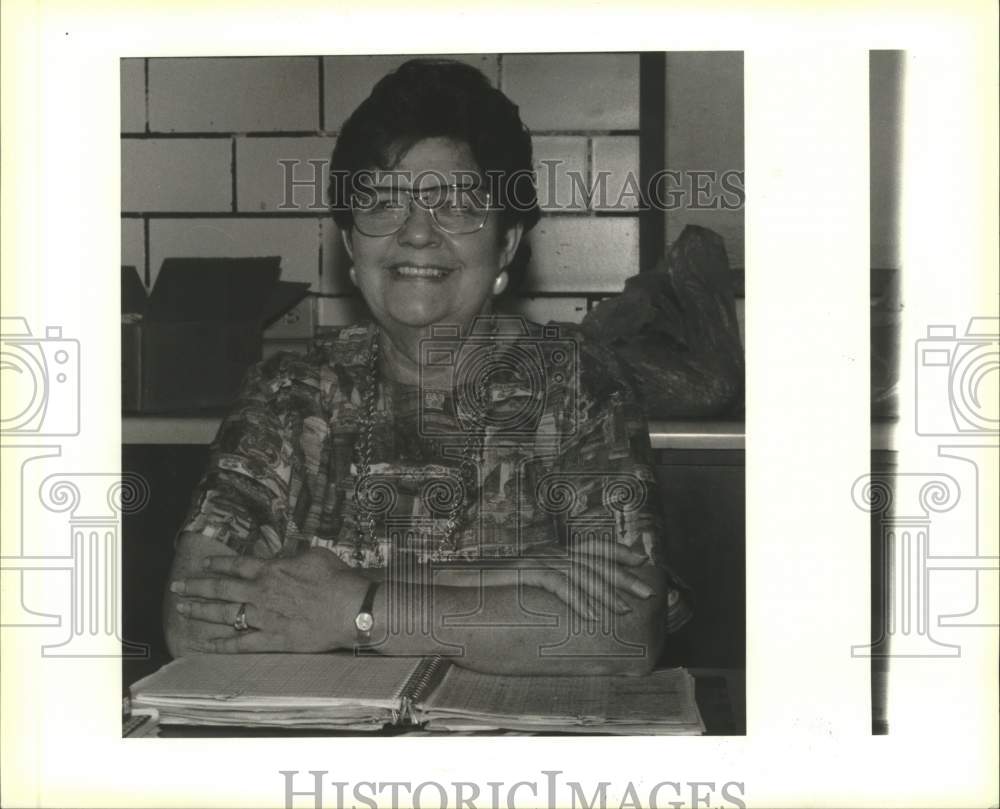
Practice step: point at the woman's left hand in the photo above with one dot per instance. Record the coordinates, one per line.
(304, 603)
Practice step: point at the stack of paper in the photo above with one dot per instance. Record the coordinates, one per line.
(312, 691)
(661, 703)
(345, 692)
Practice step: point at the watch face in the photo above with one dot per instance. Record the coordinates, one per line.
(364, 622)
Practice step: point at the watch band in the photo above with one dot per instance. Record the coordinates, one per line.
(365, 619)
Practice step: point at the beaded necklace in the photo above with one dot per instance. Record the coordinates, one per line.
(472, 453)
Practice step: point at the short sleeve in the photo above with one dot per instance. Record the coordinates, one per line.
(251, 491)
(606, 461)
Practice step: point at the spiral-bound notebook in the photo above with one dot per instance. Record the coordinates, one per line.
(346, 692)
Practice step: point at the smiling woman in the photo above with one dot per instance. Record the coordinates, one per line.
(419, 273)
(440, 479)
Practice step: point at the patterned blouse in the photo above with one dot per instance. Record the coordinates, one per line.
(559, 455)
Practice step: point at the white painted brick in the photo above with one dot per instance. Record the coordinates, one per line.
(295, 240)
(619, 158)
(556, 190)
(134, 245)
(264, 184)
(336, 263)
(582, 254)
(348, 80)
(341, 311)
(574, 91)
(133, 97)
(176, 174)
(298, 323)
(256, 94)
(542, 310)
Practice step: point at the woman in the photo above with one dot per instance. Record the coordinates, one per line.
(441, 480)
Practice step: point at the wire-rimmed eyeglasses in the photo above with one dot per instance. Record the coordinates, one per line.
(455, 209)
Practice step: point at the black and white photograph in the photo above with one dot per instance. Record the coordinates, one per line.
(506, 447)
(464, 406)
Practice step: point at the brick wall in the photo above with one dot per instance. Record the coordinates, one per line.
(202, 137)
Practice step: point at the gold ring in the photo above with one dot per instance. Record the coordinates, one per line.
(240, 624)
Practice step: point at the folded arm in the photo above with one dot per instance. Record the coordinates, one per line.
(491, 620)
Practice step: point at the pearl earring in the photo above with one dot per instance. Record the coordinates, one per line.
(353, 276)
(500, 283)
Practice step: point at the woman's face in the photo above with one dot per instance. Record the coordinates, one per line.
(421, 276)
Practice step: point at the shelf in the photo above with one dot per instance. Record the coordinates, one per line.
(697, 435)
(202, 429)
(720, 435)
(169, 429)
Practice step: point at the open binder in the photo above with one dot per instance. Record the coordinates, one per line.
(347, 692)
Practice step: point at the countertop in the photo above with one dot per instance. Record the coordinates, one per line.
(721, 435)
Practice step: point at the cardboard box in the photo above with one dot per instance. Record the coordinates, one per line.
(188, 346)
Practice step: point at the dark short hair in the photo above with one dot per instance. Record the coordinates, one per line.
(440, 98)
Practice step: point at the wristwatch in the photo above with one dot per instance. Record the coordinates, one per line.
(365, 620)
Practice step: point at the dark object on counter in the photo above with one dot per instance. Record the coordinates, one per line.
(675, 329)
(189, 345)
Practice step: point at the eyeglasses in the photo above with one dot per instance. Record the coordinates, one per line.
(455, 209)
